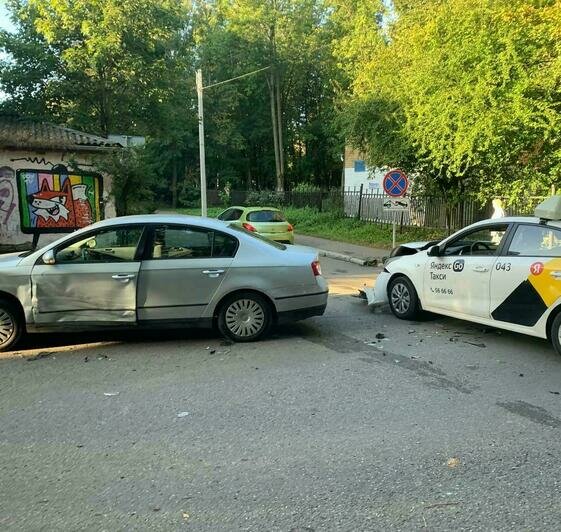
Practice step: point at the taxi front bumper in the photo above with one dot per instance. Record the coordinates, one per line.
(378, 295)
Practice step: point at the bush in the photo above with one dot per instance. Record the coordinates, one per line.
(189, 196)
(264, 199)
(132, 180)
(306, 188)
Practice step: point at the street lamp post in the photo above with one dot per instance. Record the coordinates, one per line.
(202, 164)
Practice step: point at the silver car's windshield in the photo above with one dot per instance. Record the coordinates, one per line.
(257, 236)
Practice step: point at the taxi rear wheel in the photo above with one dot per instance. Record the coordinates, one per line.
(403, 299)
(555, 333)
(11, 324)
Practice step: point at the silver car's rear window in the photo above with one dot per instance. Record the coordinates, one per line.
(257, 236)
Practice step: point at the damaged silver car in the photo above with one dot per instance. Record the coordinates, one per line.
(159, 270)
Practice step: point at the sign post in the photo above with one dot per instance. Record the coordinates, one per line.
(395, 185)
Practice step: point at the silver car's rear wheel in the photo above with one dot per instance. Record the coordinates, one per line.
(10, 325)
(245, 317)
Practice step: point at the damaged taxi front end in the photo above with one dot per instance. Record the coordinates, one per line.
(378, 295)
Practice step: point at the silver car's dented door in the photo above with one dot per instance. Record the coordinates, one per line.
(84, 292)
(94, 279)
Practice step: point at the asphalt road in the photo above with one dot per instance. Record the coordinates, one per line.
(439, 426)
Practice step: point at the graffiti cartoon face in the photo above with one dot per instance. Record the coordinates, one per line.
(53, 208)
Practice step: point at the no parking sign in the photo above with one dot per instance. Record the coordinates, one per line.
(395, 183)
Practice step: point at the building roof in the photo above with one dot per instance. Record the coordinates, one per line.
(26, 134)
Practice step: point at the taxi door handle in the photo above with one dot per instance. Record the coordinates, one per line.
(556, 274)
(480, 269)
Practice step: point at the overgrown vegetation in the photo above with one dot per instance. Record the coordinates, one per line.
(465, 94)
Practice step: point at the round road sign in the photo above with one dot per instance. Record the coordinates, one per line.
(395, 183)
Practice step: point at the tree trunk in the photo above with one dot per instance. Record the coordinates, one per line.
(174, 185)
(275, 132)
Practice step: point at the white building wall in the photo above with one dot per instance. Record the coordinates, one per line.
(357, 173)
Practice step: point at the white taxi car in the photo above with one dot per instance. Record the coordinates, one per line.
(503, 273)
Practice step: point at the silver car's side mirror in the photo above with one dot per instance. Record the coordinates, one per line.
(434, 251)
(49, 257)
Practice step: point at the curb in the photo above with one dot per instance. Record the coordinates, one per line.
(372, 261)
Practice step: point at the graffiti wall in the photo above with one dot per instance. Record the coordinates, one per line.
(52, 202)
(9, 214)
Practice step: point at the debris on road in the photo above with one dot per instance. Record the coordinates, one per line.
(453, 462)
(441, 505)
(476, 344)
(182, 414)
(38, 357)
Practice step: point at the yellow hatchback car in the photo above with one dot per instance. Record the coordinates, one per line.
(265, 221)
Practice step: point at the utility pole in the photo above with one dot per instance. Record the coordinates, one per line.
(202, 164)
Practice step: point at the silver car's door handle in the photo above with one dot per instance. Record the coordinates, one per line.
(480, 269)
(123, 277)
(213, 273)
(556, 274)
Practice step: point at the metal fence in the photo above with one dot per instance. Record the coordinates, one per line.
(424, 211)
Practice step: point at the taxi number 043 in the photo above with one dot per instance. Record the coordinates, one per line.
(504, 266)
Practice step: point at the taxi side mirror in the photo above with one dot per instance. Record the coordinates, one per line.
(49, 257)
(434, 251)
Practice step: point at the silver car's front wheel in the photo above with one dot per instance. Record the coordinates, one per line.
(245, 317)
(10, 325)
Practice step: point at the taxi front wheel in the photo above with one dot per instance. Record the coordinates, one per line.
(555, 333)
(403, 298)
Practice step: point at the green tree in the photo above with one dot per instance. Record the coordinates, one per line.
(467, 90)
(100, 65)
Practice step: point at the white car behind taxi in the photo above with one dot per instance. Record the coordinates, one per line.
(504, 273)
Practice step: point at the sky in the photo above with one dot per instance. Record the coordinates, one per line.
(4, 20)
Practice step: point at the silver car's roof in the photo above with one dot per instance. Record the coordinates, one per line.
(161, 219)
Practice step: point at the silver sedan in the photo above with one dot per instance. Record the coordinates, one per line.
(159, 270)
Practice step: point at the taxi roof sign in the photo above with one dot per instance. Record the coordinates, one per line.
(549, 209)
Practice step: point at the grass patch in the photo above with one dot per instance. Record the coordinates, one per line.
(335, 226)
